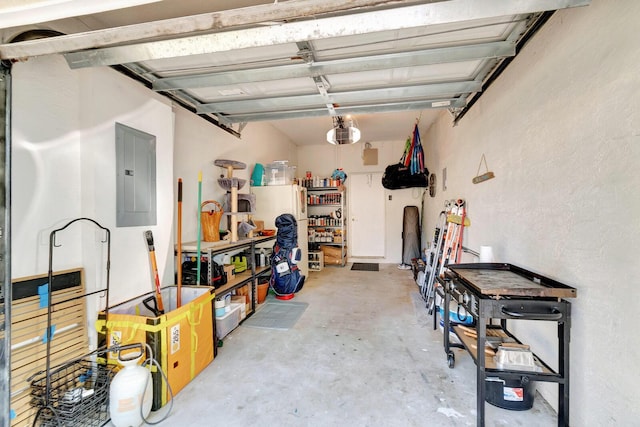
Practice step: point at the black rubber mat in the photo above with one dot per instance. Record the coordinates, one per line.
(364, 266)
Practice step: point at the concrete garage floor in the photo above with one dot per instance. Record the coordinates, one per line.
(363, 354)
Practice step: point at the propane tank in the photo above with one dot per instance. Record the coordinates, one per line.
(130, 389)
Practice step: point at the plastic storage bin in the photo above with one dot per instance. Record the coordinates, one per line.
(464, 318)
(228, 322)
(512, 394)
(279, 173)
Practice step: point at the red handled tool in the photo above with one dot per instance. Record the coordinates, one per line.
(152, 255)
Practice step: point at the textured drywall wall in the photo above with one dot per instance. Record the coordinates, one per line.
(198, 144)
(561, 130)
(63, 167)
(322, 160)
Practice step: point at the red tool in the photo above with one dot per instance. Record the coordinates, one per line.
(152, 255)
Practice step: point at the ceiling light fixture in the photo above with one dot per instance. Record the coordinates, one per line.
(343, 132)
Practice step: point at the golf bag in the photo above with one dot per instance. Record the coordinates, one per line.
(285, 275)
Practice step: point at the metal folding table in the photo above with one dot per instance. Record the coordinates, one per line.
(489, 291)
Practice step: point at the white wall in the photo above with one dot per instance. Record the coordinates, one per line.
(196, 149)
(322, 160)
(63, 167)
(560, 129)
(63, 140)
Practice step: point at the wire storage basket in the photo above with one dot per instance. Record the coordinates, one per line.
(77, 395)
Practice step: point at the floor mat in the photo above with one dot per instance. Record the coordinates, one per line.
(364, 266)
(277, 315)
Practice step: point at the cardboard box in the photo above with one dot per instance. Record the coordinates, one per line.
(240, 299)
(182, 339)
(230, 269)
(245, 291)
(332, 254)
(330, 251)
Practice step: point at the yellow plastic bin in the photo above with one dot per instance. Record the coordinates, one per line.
(182, 340)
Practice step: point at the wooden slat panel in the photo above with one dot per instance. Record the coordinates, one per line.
(29, 352)
(36, 328)
(29, 308)
(37, 362)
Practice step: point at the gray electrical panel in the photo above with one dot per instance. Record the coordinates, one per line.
(136, 177)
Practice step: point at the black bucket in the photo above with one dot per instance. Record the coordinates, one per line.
(512, 394)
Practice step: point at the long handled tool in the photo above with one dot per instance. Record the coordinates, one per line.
(199, 228)
(152, 255)
(179, 280)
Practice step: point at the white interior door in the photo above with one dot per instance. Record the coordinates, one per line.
(366, 212)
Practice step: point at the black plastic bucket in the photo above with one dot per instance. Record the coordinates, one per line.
(512, 394)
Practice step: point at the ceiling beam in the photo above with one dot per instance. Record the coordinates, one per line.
(367, 96)
(195, 24)
(361, 109)
(446, 12)
(305, 51)
(18, 13)
(340, 66)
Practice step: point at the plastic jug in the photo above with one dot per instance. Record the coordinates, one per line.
(130, 389)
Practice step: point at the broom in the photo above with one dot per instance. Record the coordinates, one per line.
(179, 298)
(199, 228)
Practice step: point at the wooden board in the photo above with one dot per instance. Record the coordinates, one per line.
(223, 245)
(502, 282)
(29, 325)
(470, 344)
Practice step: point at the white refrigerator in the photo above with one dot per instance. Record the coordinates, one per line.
(274, 200)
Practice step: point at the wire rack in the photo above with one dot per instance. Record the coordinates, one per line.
(78, 393)
(75, 393)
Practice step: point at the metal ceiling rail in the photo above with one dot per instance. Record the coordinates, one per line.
(363, 109)
(352, 97)
(339, 66)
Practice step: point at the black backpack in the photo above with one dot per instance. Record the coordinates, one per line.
(190, 274)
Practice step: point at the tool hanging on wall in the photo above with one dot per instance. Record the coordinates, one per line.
(485, 176)
(410, 170)
(154, 266)
(413, 156)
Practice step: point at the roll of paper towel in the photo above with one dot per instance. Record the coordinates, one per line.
(486, 254)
